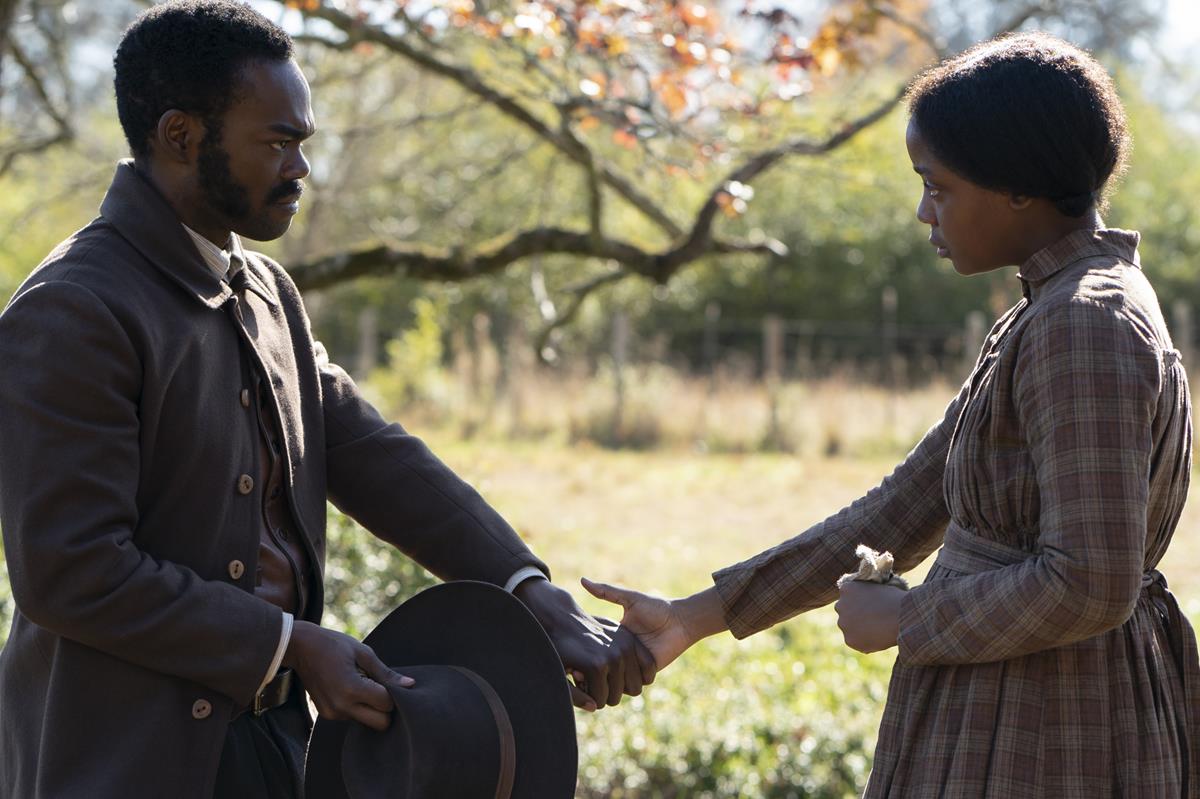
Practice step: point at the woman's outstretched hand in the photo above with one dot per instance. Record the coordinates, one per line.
(666, 627)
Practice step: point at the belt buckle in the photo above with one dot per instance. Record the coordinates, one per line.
(273, 694)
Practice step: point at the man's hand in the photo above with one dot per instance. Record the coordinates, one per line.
(666, 627)
(343, 676)
(605, 660)
(869, 615)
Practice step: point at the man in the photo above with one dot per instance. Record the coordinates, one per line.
(169, 434)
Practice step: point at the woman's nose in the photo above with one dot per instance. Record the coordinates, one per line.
(925, 212)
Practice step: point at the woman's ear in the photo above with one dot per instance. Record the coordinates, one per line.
(1019, 202)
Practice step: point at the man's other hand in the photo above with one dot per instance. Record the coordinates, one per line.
(344, 677)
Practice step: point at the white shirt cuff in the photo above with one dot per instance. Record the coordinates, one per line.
(285, 635)
(526, 573)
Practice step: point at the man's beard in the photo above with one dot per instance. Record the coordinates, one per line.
(217, 184)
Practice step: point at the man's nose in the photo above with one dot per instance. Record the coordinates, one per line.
(296, 167)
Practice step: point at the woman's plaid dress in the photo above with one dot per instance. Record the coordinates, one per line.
(1043, 656)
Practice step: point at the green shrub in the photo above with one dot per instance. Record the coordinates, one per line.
(365, 578)
(787, 713)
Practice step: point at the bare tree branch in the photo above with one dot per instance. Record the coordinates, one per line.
(34, 75)
(470, 81)
(699, 239)
(64, 131)
(931, 40)
(8, 9)
(455, 264)
(579, 294)
(629, 259)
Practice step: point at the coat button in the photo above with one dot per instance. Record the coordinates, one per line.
(236, 569)
(201, 709)
(245, 484)
(245, 398)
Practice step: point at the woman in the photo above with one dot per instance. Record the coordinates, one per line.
(1043, 656)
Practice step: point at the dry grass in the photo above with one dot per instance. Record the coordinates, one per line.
(661, 408)
(663, 521)
(702, 491)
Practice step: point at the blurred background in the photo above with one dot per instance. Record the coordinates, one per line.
(648, 274)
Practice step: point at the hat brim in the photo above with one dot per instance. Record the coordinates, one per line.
(481, 627)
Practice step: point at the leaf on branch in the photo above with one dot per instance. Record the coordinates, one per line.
(626, 138)
(672, 96)
(616, 45)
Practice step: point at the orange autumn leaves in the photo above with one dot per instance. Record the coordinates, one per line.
(672, 53)
(689, 82)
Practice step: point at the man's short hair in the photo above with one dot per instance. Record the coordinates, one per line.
(188, 55)
(1027, 114)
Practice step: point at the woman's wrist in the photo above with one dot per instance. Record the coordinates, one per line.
(702, 614)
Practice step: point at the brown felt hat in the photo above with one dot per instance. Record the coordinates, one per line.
(490, 714)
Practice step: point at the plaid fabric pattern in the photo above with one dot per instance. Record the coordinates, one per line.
(1043, 655)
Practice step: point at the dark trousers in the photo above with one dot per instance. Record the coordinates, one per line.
(263, 756)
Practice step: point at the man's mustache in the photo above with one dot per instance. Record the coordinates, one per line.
(293, 189)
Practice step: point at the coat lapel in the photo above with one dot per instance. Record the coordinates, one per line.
(144, 218)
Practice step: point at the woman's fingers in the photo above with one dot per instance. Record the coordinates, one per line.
(610, 593)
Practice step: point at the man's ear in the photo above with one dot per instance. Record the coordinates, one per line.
(178, 136)
(1019, 202)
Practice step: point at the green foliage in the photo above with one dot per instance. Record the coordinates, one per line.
(414, 359)
(7, 607)
(786, 714)
(364, 577)
(790, 713)
(1158, 198)
(44, 199)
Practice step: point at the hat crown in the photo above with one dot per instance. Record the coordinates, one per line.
(450, 736)
(503, 652)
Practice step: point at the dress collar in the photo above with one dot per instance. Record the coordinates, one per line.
(1076, 246)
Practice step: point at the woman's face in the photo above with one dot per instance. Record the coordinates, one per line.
(977, 229)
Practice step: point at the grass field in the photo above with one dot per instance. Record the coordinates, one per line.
(789, 713)
(661, 522)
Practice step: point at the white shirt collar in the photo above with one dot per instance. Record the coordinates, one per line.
(226, 262)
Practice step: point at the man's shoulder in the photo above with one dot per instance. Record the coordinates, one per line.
(91, 256)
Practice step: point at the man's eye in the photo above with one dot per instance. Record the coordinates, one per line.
(281, 145)
(932, 191)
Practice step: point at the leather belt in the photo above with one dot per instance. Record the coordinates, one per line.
(274, 694)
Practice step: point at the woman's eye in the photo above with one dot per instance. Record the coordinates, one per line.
(931, 190)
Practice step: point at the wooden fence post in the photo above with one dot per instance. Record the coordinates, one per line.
(1184, 333)
(888, 301)
(972, 339)
(772, 376)
(368, 343)
(712, 317)
(620, 354)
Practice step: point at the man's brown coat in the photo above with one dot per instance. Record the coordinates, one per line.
(123, 442)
